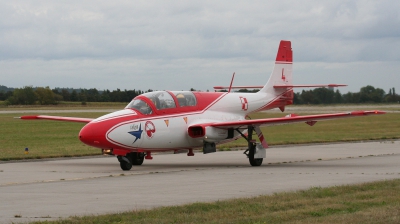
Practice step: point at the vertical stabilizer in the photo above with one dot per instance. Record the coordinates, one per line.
(281, 76)
(282, 73)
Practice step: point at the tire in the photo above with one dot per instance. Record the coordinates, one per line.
(136, 158)
(125, 166)
(255, 162)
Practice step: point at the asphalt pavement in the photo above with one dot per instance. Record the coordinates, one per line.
(59, 188)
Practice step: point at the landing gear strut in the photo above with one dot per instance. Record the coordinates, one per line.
(251, 151)
(131, 159)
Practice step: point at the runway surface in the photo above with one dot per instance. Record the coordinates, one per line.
(58, 188)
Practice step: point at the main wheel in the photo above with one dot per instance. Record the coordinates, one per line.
(136, 158)
(255, 162)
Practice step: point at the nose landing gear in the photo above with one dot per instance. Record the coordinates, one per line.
(131, 159)
(124, 163)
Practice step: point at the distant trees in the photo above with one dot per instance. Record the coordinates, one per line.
(367, 94)
(240, 90)
(94, 95)
(66, 95)
(5, 94)
(23, 96)
(29, 95)
(392, 96)
(46, 96)
(318, 96)
(248, 91)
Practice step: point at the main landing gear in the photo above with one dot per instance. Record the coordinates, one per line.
(131, 159)
(255, 152)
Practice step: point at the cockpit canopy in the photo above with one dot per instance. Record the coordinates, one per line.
(140, 105)
(185, 98)
(161, 100)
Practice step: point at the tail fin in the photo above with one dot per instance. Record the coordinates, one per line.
(282, 73)
(281, 76)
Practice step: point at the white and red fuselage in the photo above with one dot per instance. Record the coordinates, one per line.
(183, 120)
(168, 128)
(174, 120)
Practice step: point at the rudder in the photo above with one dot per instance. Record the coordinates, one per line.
(282, 72)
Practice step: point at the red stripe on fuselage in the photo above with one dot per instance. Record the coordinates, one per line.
(103, 127)
(270, 103)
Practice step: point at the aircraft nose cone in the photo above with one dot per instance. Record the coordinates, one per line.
(90, 135)
(86, 135)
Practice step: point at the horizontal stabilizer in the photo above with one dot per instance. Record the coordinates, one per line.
(280, 86)
(311, 86)
(238, 87)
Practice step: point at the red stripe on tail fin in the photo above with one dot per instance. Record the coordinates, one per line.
(285, 52)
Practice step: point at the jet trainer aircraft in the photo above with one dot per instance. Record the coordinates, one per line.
(184, 120)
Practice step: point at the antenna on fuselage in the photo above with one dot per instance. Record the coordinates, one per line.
(230, 87)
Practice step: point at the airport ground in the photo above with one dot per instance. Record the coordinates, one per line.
(58, 188)
(49, 189)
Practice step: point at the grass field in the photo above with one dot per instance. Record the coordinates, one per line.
(65, 105)
(377, 202)
(366, 203)
(57, 139)
(42, 138)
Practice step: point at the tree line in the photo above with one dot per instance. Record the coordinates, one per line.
(29, 95)
(367, 94)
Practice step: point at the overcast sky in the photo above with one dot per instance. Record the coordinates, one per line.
(178, 45)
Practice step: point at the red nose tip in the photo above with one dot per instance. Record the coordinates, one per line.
(88, 135)
(94, 134)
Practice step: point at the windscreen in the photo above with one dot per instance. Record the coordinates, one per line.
(140, 106)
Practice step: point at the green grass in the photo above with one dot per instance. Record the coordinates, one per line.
(66, 105)
(377, 202)
(60, 139)
(42, 138)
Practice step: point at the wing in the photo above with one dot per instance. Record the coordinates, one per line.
(57, 118)
(292, 118)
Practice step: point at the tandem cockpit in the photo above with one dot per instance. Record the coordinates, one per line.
(161, 102)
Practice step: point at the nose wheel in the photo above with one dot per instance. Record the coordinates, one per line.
(131, 159)
(136, 158)
(124, 163)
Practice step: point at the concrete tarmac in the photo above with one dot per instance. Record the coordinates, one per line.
(59, 188)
